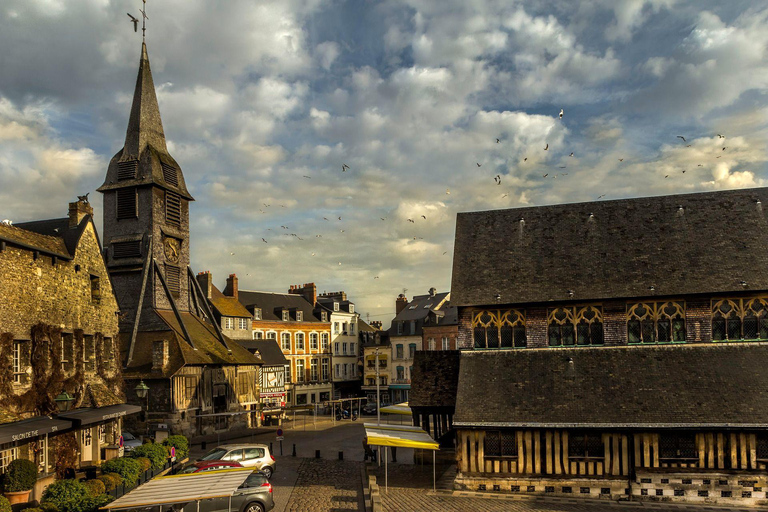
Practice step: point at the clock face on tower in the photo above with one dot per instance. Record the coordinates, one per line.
(172, 249)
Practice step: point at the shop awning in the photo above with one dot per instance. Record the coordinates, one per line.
(33, 427)
(399, 436)
(402, 408)
(181, 489)
(88, 416)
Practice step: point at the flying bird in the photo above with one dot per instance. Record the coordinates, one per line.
(383, 218)
(411, 220)
(621, 159)
(344, 167)
(601, 196)
(723, 150)
(562, 167)
(667, 176)
(505, 195)
(497, 141)
(339, 218)
(424, 217)
(497, 179)
(546, 147)
(231, 254)
(547, 174)
(313, 254)
(375, 277)
(325, 218)
(263, 240)
(318, 236)
(135, 22)
(683, 171)
(341, 230)
(308, 177)
(720, 136)
(681, 137)
(477, 164)
(561, 113)
(84, 198)
(525, 159)
(339, 263)
(571, 154)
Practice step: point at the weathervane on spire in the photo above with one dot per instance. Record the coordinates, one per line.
(144, 19)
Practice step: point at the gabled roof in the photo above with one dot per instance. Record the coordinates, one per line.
(53, 237)
(270, 301)
(420, 306)
(145, 142)
(269, 351)
(59, 228)
(327, 302)
(668, 245)
(227, 306)
(722, 385)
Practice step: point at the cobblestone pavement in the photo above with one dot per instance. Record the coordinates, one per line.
(327, 486)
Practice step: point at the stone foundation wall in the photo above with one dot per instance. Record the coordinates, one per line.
(722, 488)
(595, 488)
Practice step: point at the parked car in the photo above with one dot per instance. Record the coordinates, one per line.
(209, 465)
(370, 409)
(254, 495)
(255, 456)
(130, 441)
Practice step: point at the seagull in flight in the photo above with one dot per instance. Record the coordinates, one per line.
(135, 22)
(308, 177)
(546, 148)
(497, 141)
(375, 277)
(621, 159)
(344, 168)
(571, 154)
(525, 159)
(601, 196)
(720, 136)
(411, 220)
(478, 164)
(424, 217)
(681, 137)
(547, 174)
(263, 240)
(383, 218)
(561, 113)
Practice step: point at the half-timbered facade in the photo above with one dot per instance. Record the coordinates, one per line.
(614, 348)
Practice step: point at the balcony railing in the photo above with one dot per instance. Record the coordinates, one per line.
(401, 381)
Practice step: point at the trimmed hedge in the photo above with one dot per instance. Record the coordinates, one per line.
(128, 468)
(156, 453)
(145, 463)
(72, 496)
(34, 509)
(5, 505)
(181, 443)
(110, 481)
(95, 487)
(21, 475)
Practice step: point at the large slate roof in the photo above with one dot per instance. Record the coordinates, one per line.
(270, 352)
(716, 385)
(269, 301)
(227, 306)
(51, 236)
(435, 378)
(613, 249)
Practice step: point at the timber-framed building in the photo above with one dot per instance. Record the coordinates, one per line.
(613, 348)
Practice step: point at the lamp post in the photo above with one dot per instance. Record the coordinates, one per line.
(64, 401)
(142, 391)
(378, 391)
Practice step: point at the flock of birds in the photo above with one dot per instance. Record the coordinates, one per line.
(498, 178)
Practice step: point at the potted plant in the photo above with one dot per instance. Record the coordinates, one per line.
(20, 478)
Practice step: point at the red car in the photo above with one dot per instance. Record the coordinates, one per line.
(209, 465)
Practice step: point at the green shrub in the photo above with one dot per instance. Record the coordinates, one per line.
(116, 478)
(33, 509)
(181, 443)
(95, 487)
(126, 467)
(5, 505)
(49, 507)
(156, 453)
(108, 481)
(21, 475)
(66, 495)
(145, 463)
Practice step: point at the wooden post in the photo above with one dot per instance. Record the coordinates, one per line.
(701, 449)
(481, 450)
(520, 452)
(638, 443)
(566, 461)
(710, 450)
(734, 452)
(752, 451)
(558, 465)
(615, 464)
(655, 438)
(607, 452)
(528, 454)
(624, 455)
(647, 450)
(720, 449)
(743, 447)
(536, 451)
(548, 450)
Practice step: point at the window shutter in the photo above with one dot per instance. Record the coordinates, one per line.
(130, 249)
(126, 203)
(170, 174)
(172, 208)
(127, 170)
(173, 279)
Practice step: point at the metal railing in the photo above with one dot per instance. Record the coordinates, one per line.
(144, 477)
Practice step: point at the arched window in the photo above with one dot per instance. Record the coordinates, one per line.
(656, 322)
(285, 340)
(299, 341)
(577, 325)
(499, 328)
(313, 341)
(740, 319)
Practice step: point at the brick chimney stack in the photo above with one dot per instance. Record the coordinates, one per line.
(205, 281)
(400, 303)
(231, 289)
(376, 324)
(77, 212)
(308, 291)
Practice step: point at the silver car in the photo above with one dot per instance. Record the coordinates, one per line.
(254, 495)
(254, 456)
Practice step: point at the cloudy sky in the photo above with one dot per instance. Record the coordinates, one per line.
(263, 102)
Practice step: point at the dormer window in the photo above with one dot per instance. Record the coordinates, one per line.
(351, 308)
(257, 314)
(299, 316)
(324, 316)
(335, 306)
(286, 315)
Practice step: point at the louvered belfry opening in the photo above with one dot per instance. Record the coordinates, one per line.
(130, 249)
(127, 170)
(170, 174)
(173, 279)
(126, 203)
(172, 208)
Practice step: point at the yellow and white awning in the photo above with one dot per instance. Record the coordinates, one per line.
(399, 436)
(186, 488)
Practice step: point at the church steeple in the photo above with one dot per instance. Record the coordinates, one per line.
(144, 125)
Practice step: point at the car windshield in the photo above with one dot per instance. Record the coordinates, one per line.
(254, 480)
(127, 436)
(188, 469)
(215, 454)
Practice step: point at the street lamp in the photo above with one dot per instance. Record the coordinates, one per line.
(64, 401)
(378, 391)
(142, 391)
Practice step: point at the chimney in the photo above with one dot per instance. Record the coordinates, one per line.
(77, 212)
(205, 281)
(400, 303)
(376, 324)
(432, 291)
(308, 291)
(231, 289)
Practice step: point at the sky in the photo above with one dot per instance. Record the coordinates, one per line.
(435, 106)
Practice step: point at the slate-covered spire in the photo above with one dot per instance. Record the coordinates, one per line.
(144, 125)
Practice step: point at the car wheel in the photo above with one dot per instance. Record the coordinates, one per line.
(254, 507)
(267, 472)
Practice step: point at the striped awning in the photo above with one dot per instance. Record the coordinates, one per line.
(399, 436)
(180, 489)
(402, 408)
